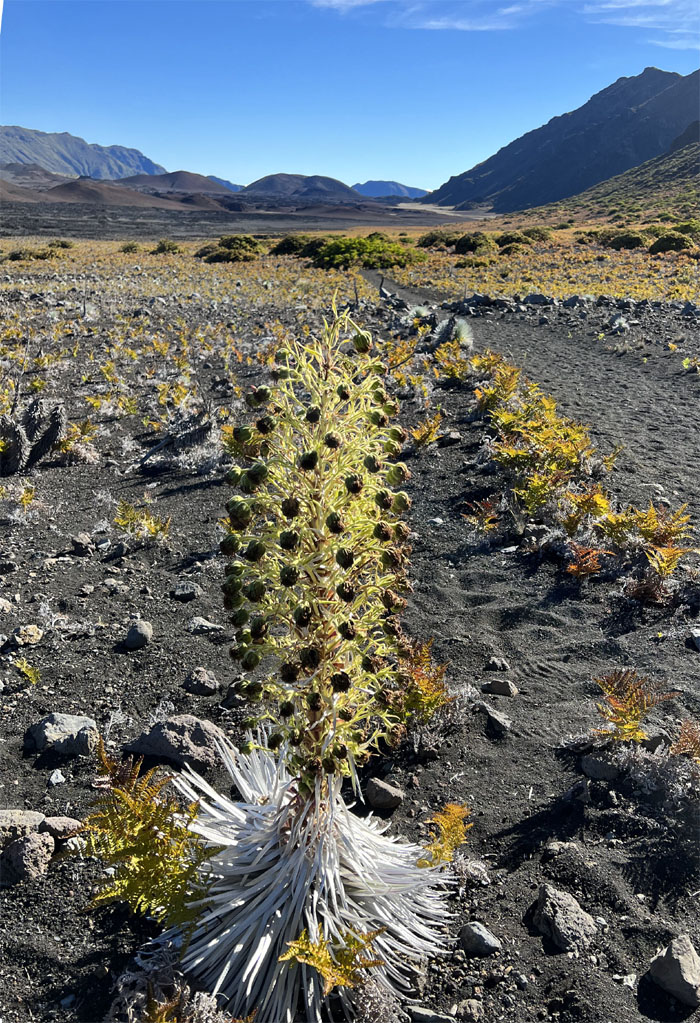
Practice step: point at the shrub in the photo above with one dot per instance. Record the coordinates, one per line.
(233, 248)
(441, 238)
(475, 241)
(290, 245)
(165, 246)
(61, 243)
(513, 249)
(129, 248)
(690, 227)
(341, 253)
(671, 242)
(538, 233)
(627, 240)
(512, 238)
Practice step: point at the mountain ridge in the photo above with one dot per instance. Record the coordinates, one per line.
(63, 153)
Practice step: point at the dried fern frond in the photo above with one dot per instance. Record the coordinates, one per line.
(629, 697)
(427, 431)
(451, 833)
(688, 742)
(425, 689)
(665, 560)
(586, 560)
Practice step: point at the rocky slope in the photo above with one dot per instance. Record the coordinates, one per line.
(630, 122)
(63, 153)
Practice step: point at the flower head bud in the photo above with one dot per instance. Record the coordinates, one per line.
(233, 475)
(343, 392)
(391, 407)
(310, 657)
(335, 523)
(392, 626)
(372, 463)
(286, 709)
(232, 601)
(391, 557)
(289, 574)
(288, 539)
(289, 672)
(392, 448)
(384, 499)
(346, 714)
(255, 590)
(401, 502)
(362, 342)
(266, 424)
(354, 483)
(259, 628)
(377, 417)
(402, 532)
(282, 356)
(290, 507)
(346, 592)
(313, 414)
(392, 601)
(340, 682)
(347, 630)
(242, 434)
(302, 616)
(372, 664)
(229, 545)
(250, 660)
(254, 690)
(261, 395)
(314, 701)
(332, 441)
(344, 557)
(275, 741)
(382, 531)
(308, 460)
(254, 551)
(396, 474)
(329, 765)
(239, 512)
(398, 434)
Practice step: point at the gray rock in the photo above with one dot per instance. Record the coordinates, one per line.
(18, 824)
(383, 796)
(470, 1009)
(448, 440)
(497, 664)
(499, 687)
(57, 777)
(26, 859)
(598, 769)
(82, 545)
(695, 637)
(497, 724)
(201, 682)
(71, 734)
(181, 739)
(536, 298)
(477, 940)
(677, 970)
(59, 827)
(185, 590)
(139, 635)
(559, 916)
(201, 627)
(419, 1014)
(26, 635)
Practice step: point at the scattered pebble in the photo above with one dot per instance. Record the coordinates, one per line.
(202, 627)
(201, 682)
(139, 635)
(57, 777)
(499, 687)
(477, 940)
(497, 664)
(185, 590)
(26, 859)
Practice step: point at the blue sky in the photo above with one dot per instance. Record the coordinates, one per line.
(355, 89)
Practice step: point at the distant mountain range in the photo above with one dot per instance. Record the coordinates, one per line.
(382, 189)
(300, 187)
(67, 154)
(227, 184)
(630, 122)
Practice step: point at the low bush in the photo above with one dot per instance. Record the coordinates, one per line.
(371, 253)
(538, 233)
(474, 241)
(627, 240)
(129, 248)
(512, 238)
(164, 247)
(232, 248)
(290, 245)
(438, 239)
(671, 242)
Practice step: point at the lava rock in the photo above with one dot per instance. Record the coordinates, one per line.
(71, 734)
(139, 635)
(497, 664)
(499, 687)
(559, 916)
(383, 796)
(18, 824)
(695, 637)
(201, 682)
(186, 590)
(477, 940)
(26, 635)
(82, 545)
(470, 1010)
(201, 627)
(26, 859)
(419, 1014)
(677, 970)
(183, 739)
(448, 440)
(598, 769)
(497, 724)
(59, 827)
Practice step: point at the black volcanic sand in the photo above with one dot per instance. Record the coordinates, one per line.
(629, 864)
(80, 220)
